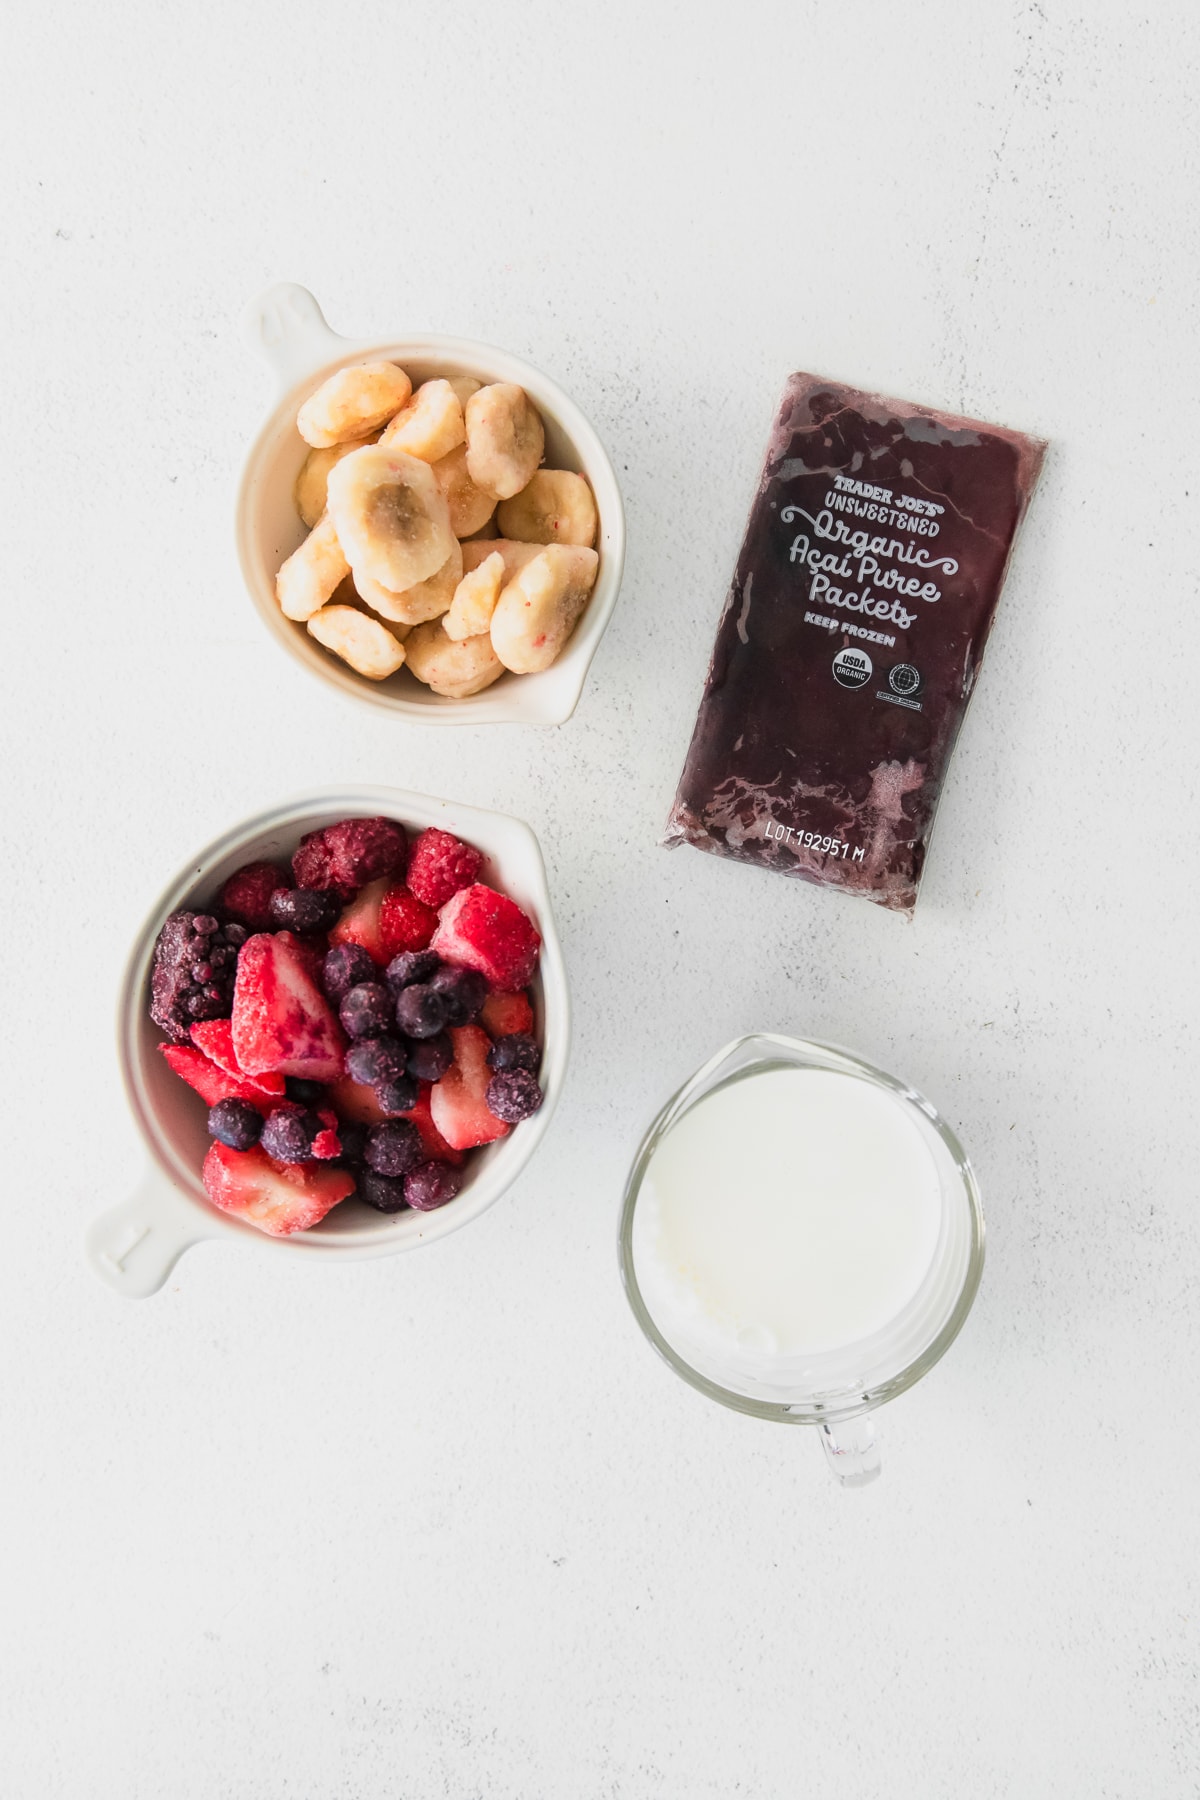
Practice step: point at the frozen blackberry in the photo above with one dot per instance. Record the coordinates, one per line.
(429, 1058)
(409, 967)
(519, 1050)
(191, 979)
(397, 1096)
(393, 1148)
(236, 1124)
(288, 1134)
(367, 1010)
(430, 1185)
(304, 909)
(513, 1095)
(463, 991)
(372, 1060)
(345, 966)
(384, 1192)
(420, 1011)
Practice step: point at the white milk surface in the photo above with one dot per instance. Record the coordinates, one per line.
(795, 1211)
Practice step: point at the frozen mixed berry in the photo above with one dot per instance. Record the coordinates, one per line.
(409, 967)
(384, 1192)
(372, 1060)
(429, 1058)
(195, 960)
(304, 909)
(290, 1132)
(513, 1095)
(345, 966)
(463, 991)
(236, 1124)
(430, 1185)
(397, 1096)
(404, 923)
(345, 856)
(353, 1139)
(420, 1011)
(308, 1093)
(487, 931)
(367, 1010)
(440, 865)
(516, 1051)
(393, 1148)
(246, 896)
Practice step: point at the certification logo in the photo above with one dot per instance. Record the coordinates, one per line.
(852, 668)
(904, 679)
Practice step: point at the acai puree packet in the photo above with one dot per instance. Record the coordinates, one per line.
(851, 638)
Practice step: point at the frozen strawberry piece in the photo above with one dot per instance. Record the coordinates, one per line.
(278, 1198)
(327, 1144)
(404, 922)
(458, 1102)
(433, 1144)
(487, 931)
(354, 1101)
(210, 1082)
(347, 855)
(440, 865)
(246, 896)
(282, 1022)
(215, 1038)
(360, 922)
(504, 1014)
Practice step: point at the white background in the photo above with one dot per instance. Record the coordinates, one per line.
(442, 1525)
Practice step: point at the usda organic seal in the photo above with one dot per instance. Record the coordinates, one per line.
(852, 667)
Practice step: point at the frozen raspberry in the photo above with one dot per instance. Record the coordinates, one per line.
(514, 1095)
(384, 1192)
(440, 865)
(366, 1011)
(409, 967)
(404, 924)
(393, 1148)
(430, 1185)
(397, 1097)
(463, 993)
(346, 856)
(236, 1124)
(429, 1058)
(516, 1051)
(304, 909)
(345, 966)
(246, 896)
(289, 1133)
(193, 973)
(420, 1012)
(372, 1060)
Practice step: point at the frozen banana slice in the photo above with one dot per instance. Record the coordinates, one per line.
(537, 611)
(513, 555)
(428, 600)
(505, 439)
(475, 599)
(391, 516)
(353, 403)
(431, 425)
(364, 643)
(555, 508)
(470, 507)
(453, 669)
(309, 492)
(311, 573)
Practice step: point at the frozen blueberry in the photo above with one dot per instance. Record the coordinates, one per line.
(429, 1058)
(463, 992)
(516, 1051)
(373, 1060)
(289, 1131)
(419, 1011)
(393, 1148)
(398, 1095)
(306, 1092)
(430, 1185)
(303, 909)
(367, 1010)
(236, 1124)
(345, 966)
(384, 1192)
(353, 1139)
(513, 1095)
(410, 966)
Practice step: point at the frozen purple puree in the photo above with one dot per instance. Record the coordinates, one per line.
(854, 629)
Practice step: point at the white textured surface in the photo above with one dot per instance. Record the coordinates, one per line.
(441, 1525)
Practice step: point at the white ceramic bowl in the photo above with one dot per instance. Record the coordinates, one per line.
(136, 1244)
(287, 326)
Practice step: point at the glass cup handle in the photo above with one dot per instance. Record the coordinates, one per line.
(851, 1450)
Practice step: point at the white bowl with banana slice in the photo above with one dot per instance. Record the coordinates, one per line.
(427, 523)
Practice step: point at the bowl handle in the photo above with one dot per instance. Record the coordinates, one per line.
(135, 1245)
(286, 325)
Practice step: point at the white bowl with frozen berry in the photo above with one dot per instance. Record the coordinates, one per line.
(342, 1030)
(427, 523)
